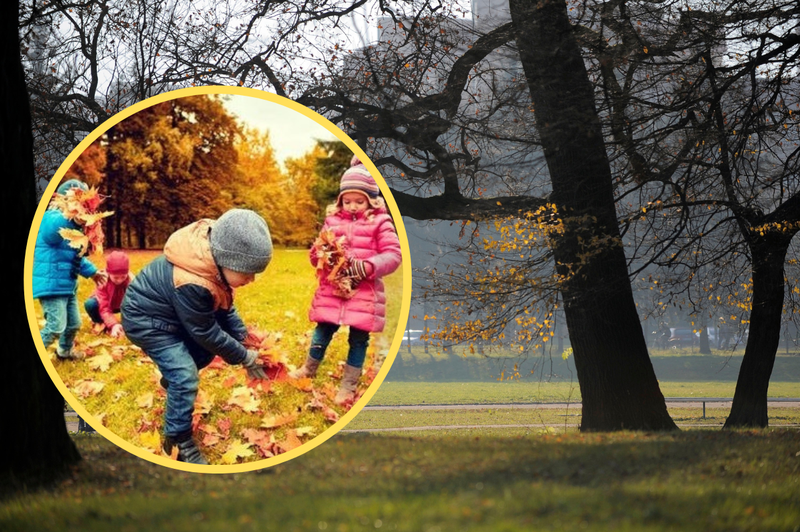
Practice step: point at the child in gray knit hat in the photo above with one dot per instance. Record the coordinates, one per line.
(179, 310)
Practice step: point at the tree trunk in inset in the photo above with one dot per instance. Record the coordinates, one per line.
(38, 447)
(618, 384)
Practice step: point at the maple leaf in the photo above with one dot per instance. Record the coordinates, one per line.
(304, 384)
(210, 439)
(290, 442)
(86, 388)
(230, 381)
(304, 431)
(203, 403)
(224, 426)
(151, 440)
(333, 259)
(145, 400)
(317, 403)
(216, 363)
(263, 441)
(237, 449)
(244, 398)
(262, 385)
(271, 422)
(147, 425)
(100, 362)
(76, 239)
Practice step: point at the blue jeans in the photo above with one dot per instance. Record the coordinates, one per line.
(179, 364)
(357, 339)
(92, 308)
(62, 320)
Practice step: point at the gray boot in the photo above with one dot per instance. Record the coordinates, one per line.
(72, 354)
(307, 370)
(347, 390)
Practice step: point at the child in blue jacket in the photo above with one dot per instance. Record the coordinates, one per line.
(179, 310)
(56, 267)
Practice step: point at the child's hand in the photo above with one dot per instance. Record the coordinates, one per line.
(117, 331)
(254, 369)
(100, 278)
(359, 269)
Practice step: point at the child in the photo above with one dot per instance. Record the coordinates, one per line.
(56, 267)
(106, 299)
(179, 310)
(359, 215)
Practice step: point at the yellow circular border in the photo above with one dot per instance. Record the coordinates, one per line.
(163, 460)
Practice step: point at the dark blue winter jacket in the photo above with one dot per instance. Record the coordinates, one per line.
(181, 297)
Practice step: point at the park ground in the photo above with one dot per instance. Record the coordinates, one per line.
(698, 479)
(485, 467)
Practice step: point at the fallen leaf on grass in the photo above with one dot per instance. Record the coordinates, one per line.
(304, 385)
(216, 363)
(271, 422)
(304, 431)
(100, 362)
(145, 400)
(236, 450)
(263, 441)
(86, 388)
(290, 442)
(244, 398)
(203, 404)
(224, 426)
(151, 441)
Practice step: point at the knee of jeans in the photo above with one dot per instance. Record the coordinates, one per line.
(185, 380)
(57, 323)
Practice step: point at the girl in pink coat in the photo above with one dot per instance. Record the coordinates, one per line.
(360, 216)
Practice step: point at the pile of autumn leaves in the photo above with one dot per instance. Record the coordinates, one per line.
(233, 421)
(249, 423)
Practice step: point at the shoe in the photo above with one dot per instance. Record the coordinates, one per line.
(72, 354)
(163, 382)
(307, 370)
(187, 450)
(347, 390)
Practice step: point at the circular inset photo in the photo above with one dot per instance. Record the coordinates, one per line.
(217, 279)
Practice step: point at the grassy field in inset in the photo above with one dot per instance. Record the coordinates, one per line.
(118, 384)
(696, 480)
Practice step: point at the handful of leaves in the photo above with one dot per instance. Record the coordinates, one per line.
(333, 262)
(81, 206)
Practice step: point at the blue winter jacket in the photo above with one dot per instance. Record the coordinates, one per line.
(56, 265)
(180, 297)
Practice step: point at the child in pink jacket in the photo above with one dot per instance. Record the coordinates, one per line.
(104, 303)
(359, 215)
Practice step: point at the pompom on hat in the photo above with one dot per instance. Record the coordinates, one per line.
(358, 179)
(117, 263)
(240, 241)
(66, 186)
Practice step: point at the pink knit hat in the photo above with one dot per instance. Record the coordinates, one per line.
(117, 263)
(358, 179)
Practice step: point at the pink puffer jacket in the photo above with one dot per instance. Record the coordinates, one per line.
(374, 240)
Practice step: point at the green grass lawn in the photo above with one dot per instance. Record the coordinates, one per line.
(130, 402)
(696, 480)
(400, 393)
(538, 418)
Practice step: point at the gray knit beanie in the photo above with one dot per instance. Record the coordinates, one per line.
(240, 241)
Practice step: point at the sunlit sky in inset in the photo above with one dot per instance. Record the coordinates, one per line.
(291, 133)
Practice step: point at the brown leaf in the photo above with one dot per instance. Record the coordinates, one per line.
(244, 398)
(271, 422)
(86, 388)
(100, 362)
(263, 441)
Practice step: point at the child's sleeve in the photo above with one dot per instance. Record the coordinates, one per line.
(194, 306)
(104, 295)
(87, 269)
(388, 256)
(232, 323)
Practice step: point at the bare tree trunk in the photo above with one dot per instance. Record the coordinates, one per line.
(37, 445)
(705, 346)
(618, 385)
(749, 408)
